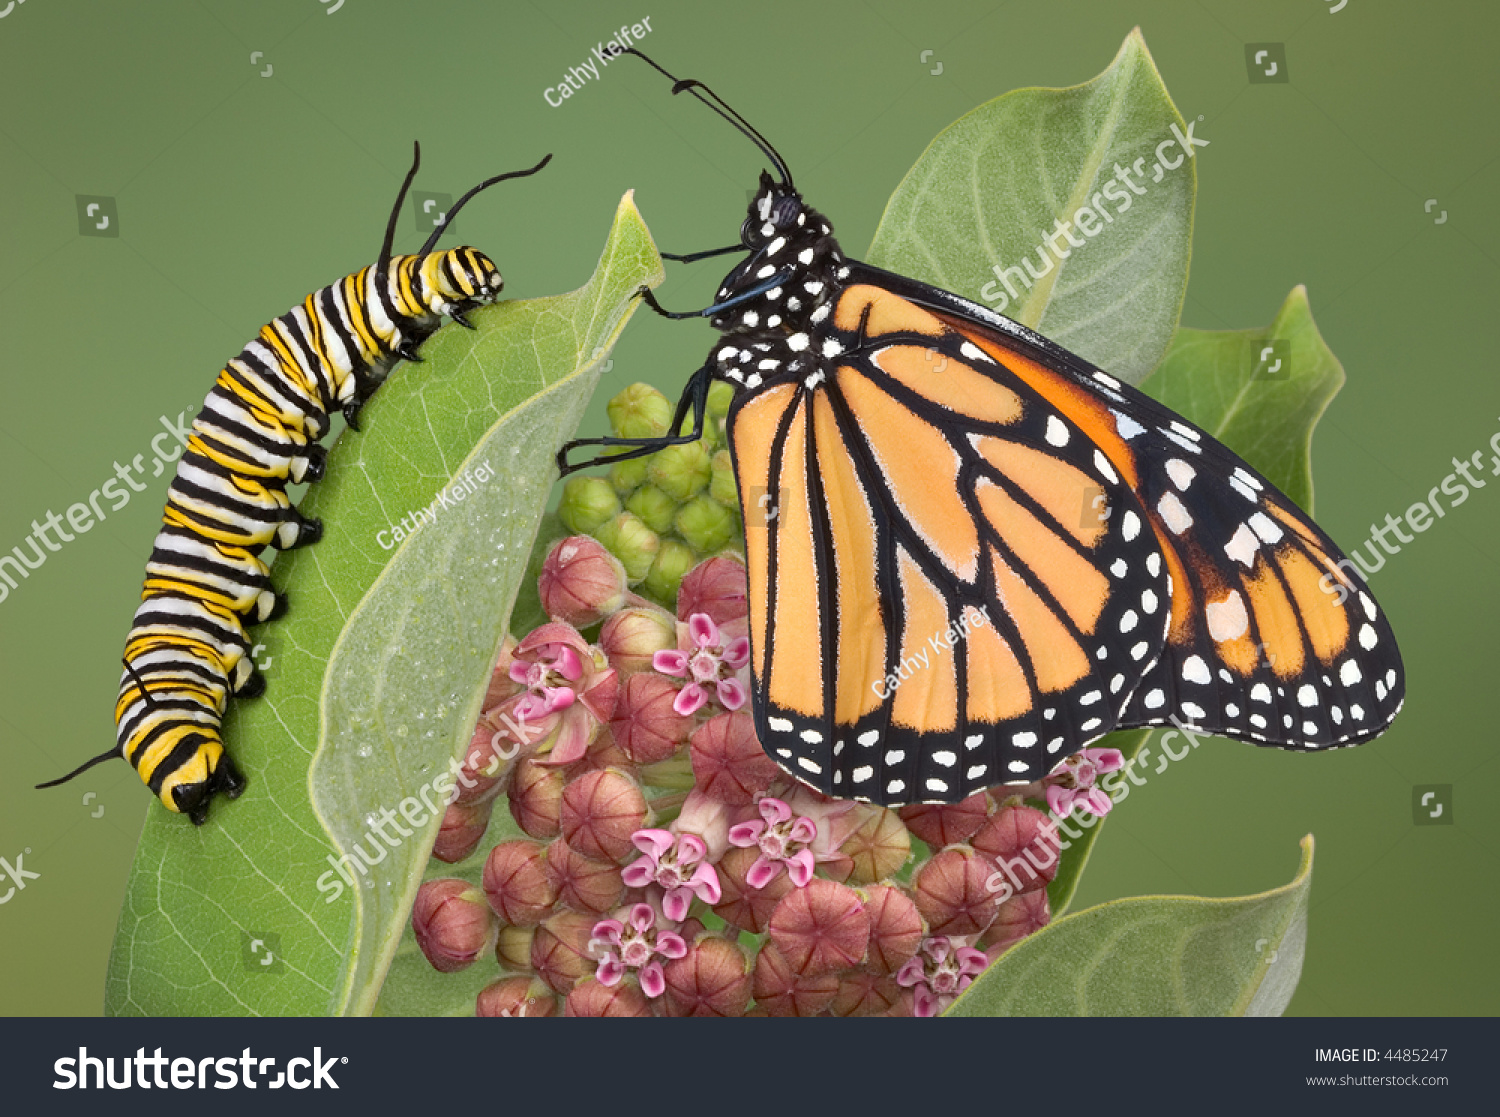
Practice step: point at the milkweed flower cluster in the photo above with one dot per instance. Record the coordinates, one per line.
(655, 862)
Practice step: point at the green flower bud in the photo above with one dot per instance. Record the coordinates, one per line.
(681, 471)
(640, 411)
(632, 542)
(707, 525)
(654, 507)
(673, 561)
(720, 395)
(721, 483)
(630, 475)
(587, 504)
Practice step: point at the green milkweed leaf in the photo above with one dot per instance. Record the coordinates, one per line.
(376, 673)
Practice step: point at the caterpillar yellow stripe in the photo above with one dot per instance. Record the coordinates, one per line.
(260, 430)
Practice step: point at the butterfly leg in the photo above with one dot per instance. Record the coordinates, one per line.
(695, 395)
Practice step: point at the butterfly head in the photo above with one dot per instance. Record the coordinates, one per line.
(790, 274)
(777, 210)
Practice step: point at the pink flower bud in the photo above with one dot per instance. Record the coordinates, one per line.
(646, 726)
(1018, 917)
(602, 753)
(591, 997)
(951, 893)
(581, 582)
(780, 991)
(719, 587)
(600, 812)
(866, 994)
(821, 928)
(741, 904)
(712, 979)
(560, 950)
(583, 884)
(513, 947)
(896, 928)
(1023, 846)
(943, 824)
(452, 924)
(485, 769)
(515, 997)
(517, 883)
(633, 635)
(502, 686)
(728, 763)
(461, 831)
(708, 819)
(878, 847)
(536, 799)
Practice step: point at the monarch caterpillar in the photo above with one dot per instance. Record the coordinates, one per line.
(259, 430)
(908, 506)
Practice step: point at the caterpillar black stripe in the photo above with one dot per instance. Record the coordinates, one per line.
(259, 430)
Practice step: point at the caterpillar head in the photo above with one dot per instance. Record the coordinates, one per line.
(190, 788)
(458, 279)
(440, 283)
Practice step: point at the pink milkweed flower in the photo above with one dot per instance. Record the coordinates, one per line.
(782, 838)
(936, 979)
(635, 944)
(707, 657)
(1074, 782)
(679, 864)
(570, 691)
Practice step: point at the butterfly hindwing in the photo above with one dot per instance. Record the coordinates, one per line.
(959, 589)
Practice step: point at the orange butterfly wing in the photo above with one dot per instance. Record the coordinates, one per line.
(939, 601)
(971, 553)
(1271, 641)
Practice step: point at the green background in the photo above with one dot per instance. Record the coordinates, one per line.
(236, 194)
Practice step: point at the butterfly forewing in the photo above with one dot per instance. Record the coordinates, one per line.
(1270, 640)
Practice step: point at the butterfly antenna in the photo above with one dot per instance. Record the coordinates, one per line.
(485, 185)
(390, 227)
(720, 106)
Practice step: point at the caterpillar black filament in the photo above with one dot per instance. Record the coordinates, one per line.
(259, 430)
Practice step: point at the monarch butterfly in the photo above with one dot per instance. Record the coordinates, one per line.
(931, 613)
(260, 429)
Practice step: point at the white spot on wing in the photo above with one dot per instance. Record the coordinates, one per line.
(1194, 670)
(1174, 514)
(1242, 546)
(1227, 619)
(1265, 527)
(1126, 427)
(1181, 473)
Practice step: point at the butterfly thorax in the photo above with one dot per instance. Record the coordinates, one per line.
(797, 266)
